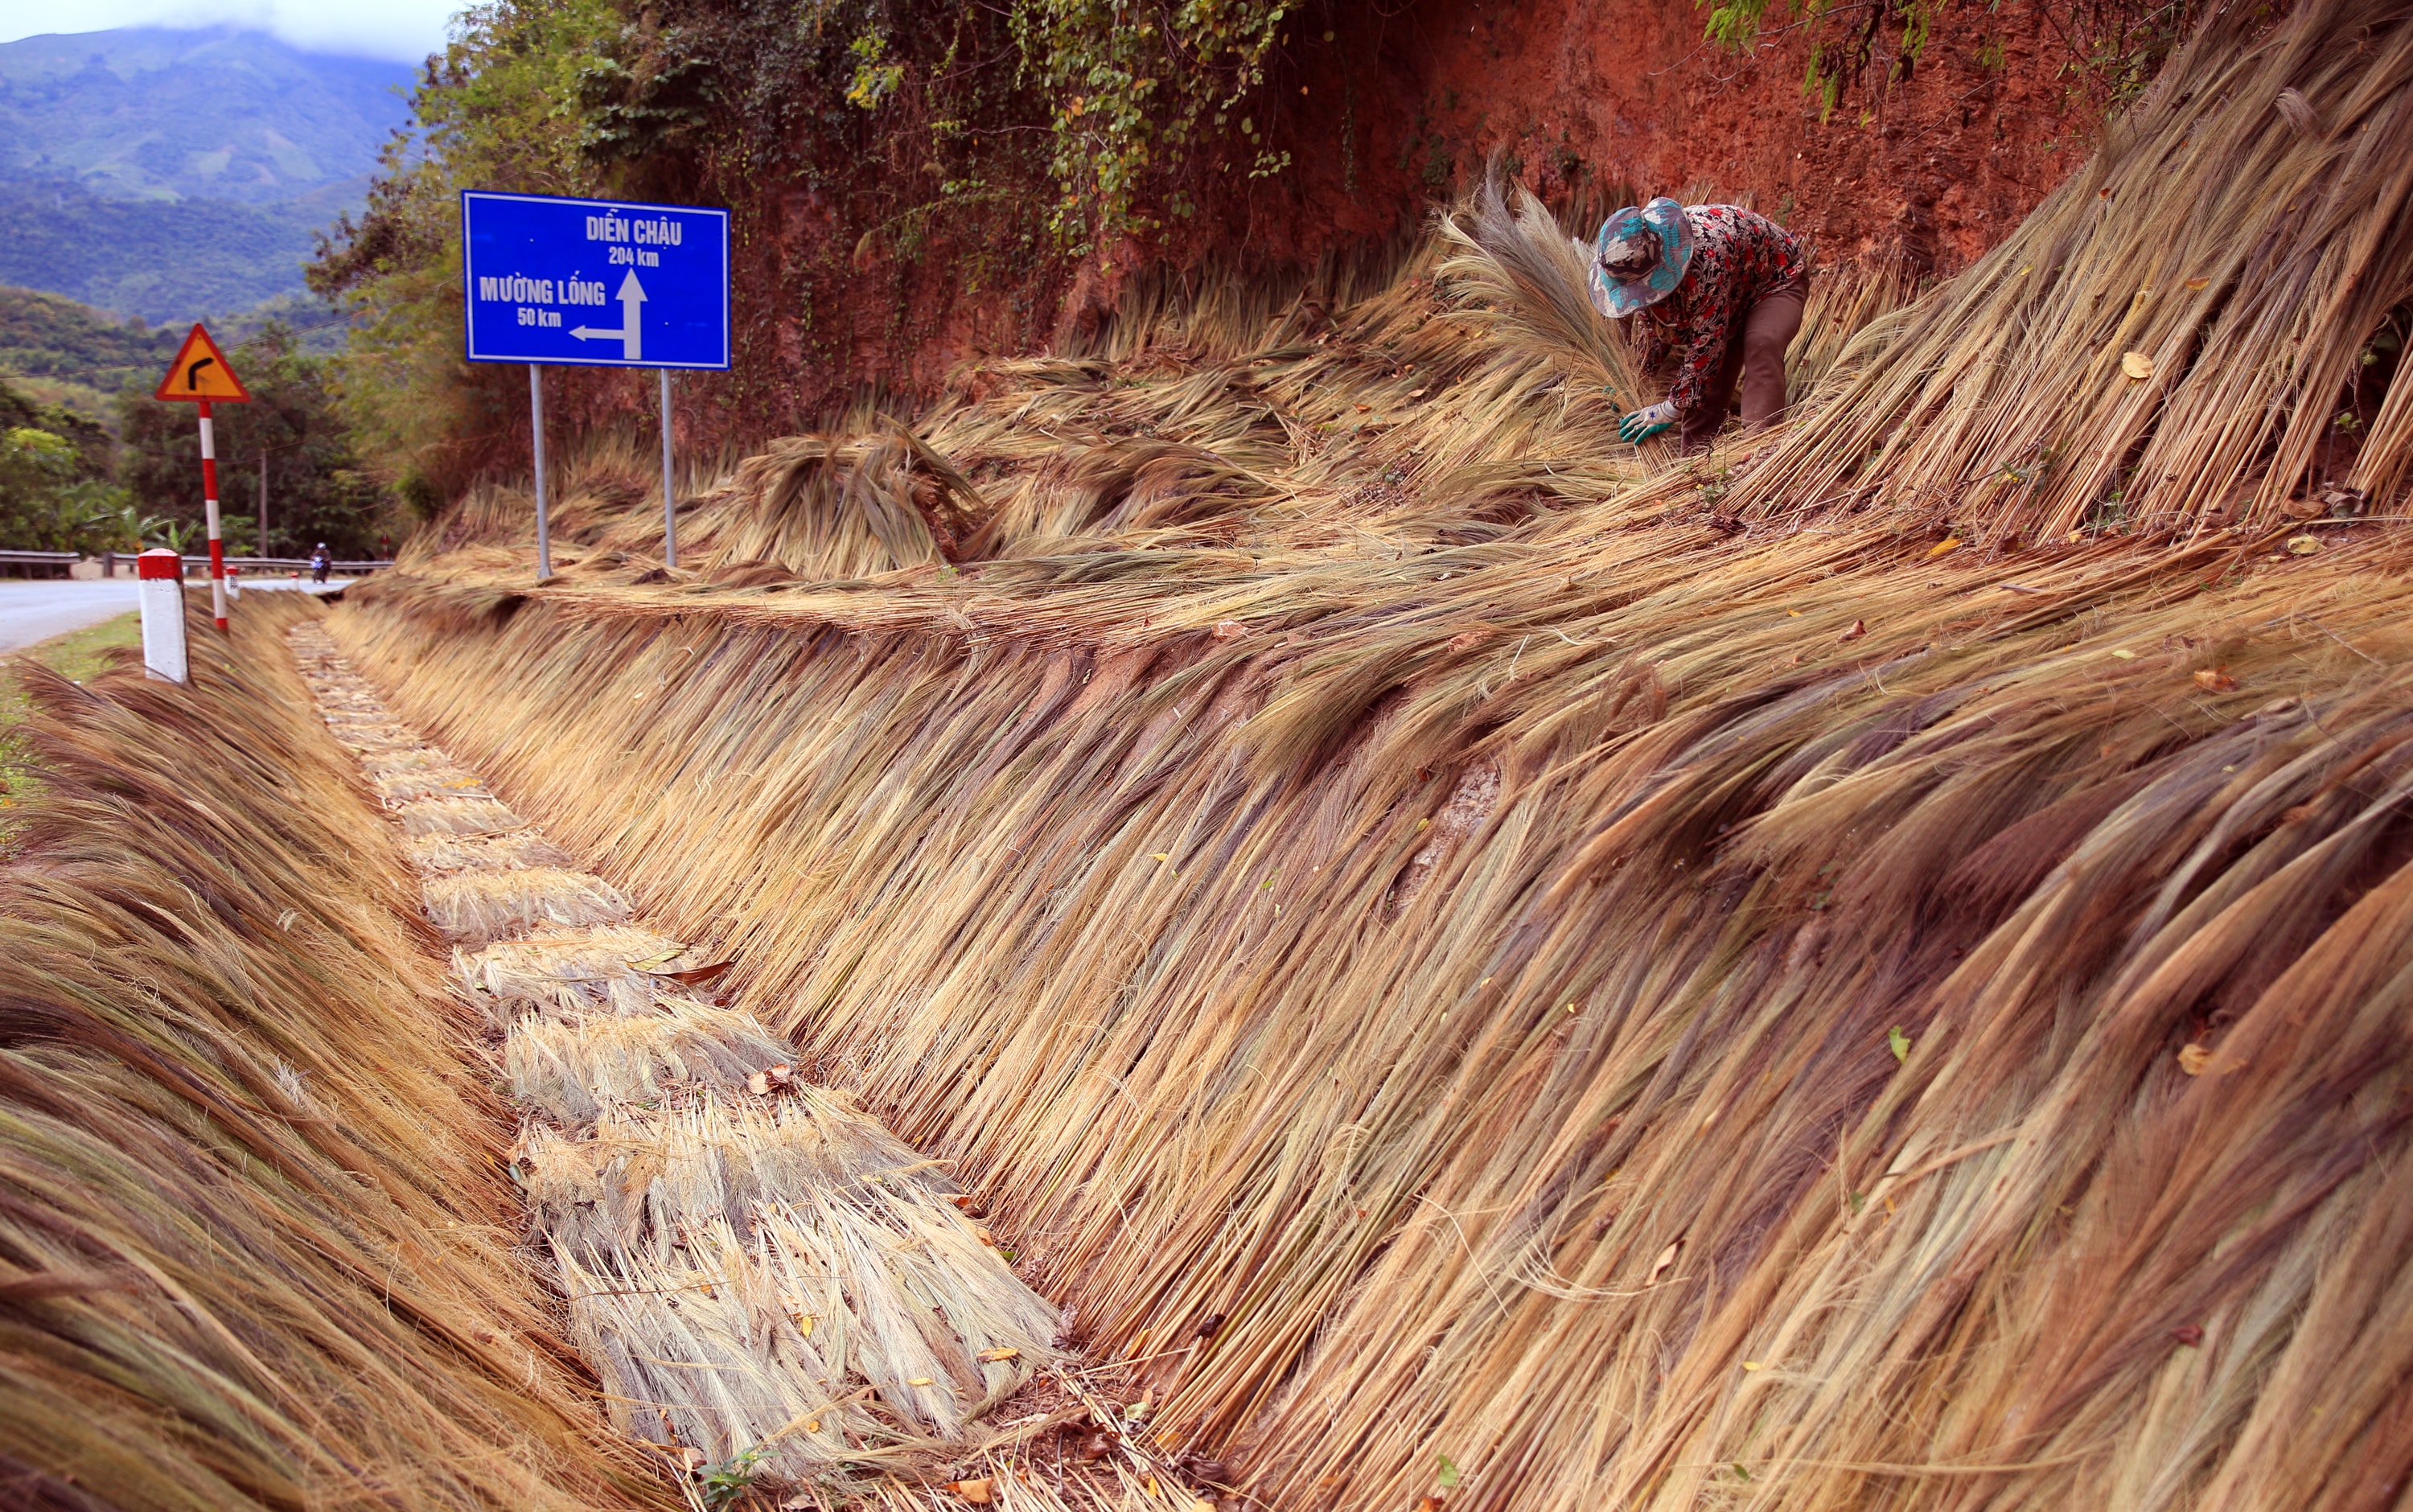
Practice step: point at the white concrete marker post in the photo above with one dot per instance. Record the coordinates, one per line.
(159, 577)
(670, 501)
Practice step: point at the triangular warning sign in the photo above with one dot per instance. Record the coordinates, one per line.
(200, 372)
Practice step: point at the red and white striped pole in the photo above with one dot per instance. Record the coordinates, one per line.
(209, 503)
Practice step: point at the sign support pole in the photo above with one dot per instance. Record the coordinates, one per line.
(210, 505)
(536, 425)
(263, 502)
(670, 501)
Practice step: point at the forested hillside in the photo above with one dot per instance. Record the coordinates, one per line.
(76, 355)
(175, 174)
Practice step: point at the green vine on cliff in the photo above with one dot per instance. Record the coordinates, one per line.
(1132, 87)
(2114, 47)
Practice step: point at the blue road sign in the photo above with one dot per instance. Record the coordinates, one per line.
(602, 283)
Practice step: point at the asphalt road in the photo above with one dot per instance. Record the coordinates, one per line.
(40, 609)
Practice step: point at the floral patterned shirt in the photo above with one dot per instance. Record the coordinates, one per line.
(1737, 256)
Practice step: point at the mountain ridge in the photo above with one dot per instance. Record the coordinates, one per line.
(171, 174)
(222, 113)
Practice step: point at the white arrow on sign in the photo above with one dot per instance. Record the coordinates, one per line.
(632, 296)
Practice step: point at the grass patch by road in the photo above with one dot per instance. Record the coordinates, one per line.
(77, 655)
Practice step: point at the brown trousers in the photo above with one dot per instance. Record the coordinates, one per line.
(1757, 357)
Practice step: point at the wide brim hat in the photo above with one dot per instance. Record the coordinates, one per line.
(1664, 217)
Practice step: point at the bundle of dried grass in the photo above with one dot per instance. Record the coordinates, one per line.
(439, 854)
(477, 906)
(455, 815)
(2180, 338)
(575, 1068)
(571, 973)
(770, 1282)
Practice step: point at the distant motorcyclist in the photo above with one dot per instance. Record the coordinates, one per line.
(1720, 285)
(320, 563)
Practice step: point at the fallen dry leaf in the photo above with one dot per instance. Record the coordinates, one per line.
(759, 1084)
(1229, 629)
(2214, 680)
(976, 1491)
(693, 975)
(2189, 1335)
(1096, 1447)
(1666, 1258)
(993, 1356)
(1948, 544)
(2199, 283)
(2303, 545)
(2193, 1058)
(917, 1379)
(2137, 365)
(1860, 628)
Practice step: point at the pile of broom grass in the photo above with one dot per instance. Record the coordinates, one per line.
(257, 1248)
(770, 1286)
(1868, 969)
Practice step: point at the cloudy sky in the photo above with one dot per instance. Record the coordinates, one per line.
(403, 30)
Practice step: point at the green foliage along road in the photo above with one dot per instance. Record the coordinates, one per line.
(75, 355)
(317, 489)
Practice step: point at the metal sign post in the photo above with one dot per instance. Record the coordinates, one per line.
(535, 428)
(538, 275)
(669, 500)
(199, 375)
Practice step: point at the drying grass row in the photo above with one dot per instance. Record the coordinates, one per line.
(767, 1280)
(1801, 985)
(256, 1249)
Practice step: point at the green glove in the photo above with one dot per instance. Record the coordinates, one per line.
(1642, 425)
